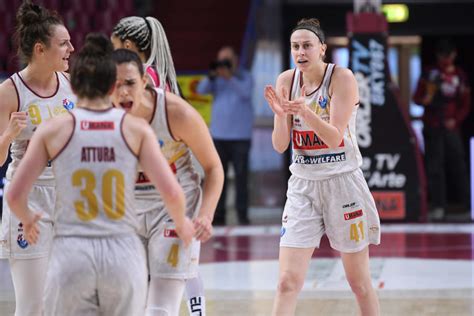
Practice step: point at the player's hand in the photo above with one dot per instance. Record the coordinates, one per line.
(186, 231)
(31, 229)
(203, 227)
(298, 106)
(16, 124)
(276, 102)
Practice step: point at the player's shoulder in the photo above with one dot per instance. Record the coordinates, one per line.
(56, 125)
(286, 76)
(9, 97)
(137, 125)
(342, 76)
(342, 72)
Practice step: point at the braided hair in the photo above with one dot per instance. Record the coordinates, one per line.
(150, 37)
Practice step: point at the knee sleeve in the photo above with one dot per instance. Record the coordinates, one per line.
(194, 287)
(164, 297)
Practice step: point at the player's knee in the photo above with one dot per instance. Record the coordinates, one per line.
(359, 287)
(290, 283)
(156, 311)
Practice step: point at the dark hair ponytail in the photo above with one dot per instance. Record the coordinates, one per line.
(93, 73)
(122, 55)
(33, 24)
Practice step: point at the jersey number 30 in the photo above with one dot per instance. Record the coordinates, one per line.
(114, 204)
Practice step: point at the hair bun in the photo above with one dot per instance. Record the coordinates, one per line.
(30, 13)
(97, 44)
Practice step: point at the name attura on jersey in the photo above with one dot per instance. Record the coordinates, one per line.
(97, 154)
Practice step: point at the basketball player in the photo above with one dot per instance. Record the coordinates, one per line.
(327, 192)
(97, 264)
(35, 94)
(179, 129)
(147, 38)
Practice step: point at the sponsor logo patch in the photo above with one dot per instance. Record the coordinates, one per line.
(323, 101)
(309, 140)
(22, 243)
(170, 233)
(68, 104)
(97, 125)
(352, 215)
(319, 159)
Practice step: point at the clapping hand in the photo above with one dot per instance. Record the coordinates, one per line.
(277, 102)
(298, 106)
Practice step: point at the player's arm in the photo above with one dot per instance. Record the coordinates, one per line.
(11, 122)
(188, 126)
(29, 169)
(282, 121)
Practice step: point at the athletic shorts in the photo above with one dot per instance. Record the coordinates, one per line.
(167, 256)
(12, 240)
(96, 276)
(341, 207)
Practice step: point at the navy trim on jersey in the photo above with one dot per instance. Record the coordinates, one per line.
(167, 120)
(320, 84)
(123, 136)
(40, 96)
(70, 136)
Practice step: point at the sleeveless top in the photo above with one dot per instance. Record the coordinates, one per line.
(312, 159)
(95, 176)
(39, 109)
(176, 152)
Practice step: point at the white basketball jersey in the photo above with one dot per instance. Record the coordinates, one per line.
(39, 109)
(312, 159)
(176, 152)
(95, 177)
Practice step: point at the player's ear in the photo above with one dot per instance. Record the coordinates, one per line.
(127, 44)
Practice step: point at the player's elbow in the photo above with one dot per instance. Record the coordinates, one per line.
(279, 145)
(280, 148)
(13, 198)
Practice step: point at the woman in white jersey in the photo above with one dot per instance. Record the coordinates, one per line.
(316, 104)
(31, 96)
(98, 263)
(147, 38)
(179, 129)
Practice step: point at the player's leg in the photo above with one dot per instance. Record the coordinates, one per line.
(170, 265)
(122, 275)
(302, 228)
(28, 280)
(195, 299)
(164, 296)
(28, 263)
(352, 223)
(71, 279)
(356, 266)
(294, 263)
